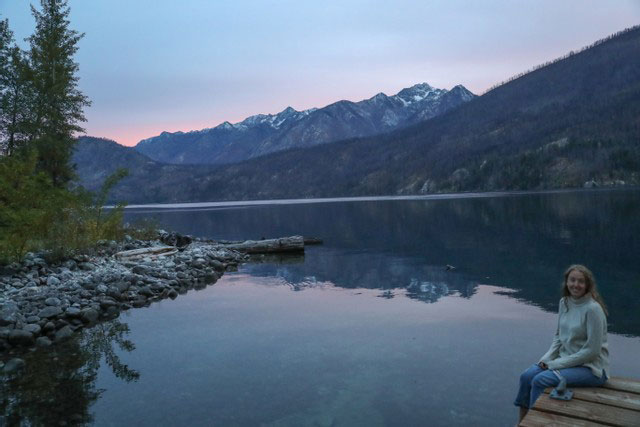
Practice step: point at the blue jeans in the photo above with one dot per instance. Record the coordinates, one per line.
(534, 380)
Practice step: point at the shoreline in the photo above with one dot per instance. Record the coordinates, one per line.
(435, 196)
(43, 304)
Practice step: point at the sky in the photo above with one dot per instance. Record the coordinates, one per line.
(150, 66)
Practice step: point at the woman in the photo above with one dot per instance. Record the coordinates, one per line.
(579, 350)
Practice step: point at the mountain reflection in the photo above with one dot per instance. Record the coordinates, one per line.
(519, 242)
(58, 384)
(365, 271)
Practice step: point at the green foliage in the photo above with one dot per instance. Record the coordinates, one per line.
(41, 109)
(27, 201)
(57, 103)
(144, 228)
(36, 215)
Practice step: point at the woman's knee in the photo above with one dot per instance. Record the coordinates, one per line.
(527, 376)
(544, 379)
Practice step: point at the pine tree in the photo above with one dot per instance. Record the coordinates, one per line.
(58, 103)
(6, 40)
(15, 93)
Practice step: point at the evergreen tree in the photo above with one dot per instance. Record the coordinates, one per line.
(15, 93)
(6, 40)
(57, 103)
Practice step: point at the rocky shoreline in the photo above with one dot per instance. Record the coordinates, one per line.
(42, 304)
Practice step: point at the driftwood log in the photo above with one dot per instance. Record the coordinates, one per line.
(268, 246)
(153, 252)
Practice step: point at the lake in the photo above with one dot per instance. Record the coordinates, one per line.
(367, 329)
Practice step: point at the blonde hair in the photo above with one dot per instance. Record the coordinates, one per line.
(590, 282)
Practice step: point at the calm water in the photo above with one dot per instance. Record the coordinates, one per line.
(368, 329)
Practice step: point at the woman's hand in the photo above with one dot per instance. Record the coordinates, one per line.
(543, 365)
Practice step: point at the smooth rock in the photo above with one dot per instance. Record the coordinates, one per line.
(90, 315)
(216, 265)
(8, 313)
(13, 365)
(88, 284)
(52, 301)
(34, 328)
(53, 281)
(146, 291)
(32, 319)
(49, 312)
(102, 289)
(121, 286)
(73, 312)
(64, 333)
(43, 342)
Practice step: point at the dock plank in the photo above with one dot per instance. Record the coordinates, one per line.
(590, 411)
(536, 418)
(623, 384)
(612, 397)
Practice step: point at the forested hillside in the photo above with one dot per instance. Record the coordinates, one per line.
(574, 122)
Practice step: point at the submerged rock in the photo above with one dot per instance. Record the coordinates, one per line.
(65, 333)
(13, 365)
(21, 337)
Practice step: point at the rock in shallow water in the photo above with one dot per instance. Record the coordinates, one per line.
(90, 315)
(64, 333)
(43, 342)
(13, 365)
(21, 337)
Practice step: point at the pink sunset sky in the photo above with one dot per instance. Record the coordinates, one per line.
(152, 66)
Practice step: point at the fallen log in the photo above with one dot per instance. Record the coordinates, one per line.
(267, 246)
(312, 241)
(152, 252)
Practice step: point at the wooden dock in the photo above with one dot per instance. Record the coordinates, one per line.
(617, 403)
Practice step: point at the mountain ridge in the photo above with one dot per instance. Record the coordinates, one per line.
(262, 134)
(570, 124)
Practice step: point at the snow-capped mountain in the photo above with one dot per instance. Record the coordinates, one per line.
(267, 133)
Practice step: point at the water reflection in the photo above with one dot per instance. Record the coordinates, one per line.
(421, 282)
(58, 385)
(522, 243)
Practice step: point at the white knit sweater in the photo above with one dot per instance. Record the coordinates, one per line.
(581, 337)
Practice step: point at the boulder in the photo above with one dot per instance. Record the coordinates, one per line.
(49, 312)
